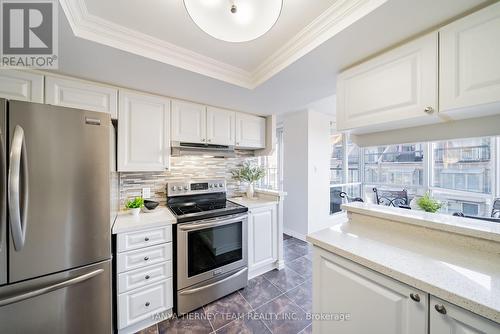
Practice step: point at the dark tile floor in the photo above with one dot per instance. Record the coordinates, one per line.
(276, 302)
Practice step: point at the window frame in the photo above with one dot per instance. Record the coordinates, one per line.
(428, 175)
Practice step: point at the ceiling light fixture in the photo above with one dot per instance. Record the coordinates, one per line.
(234, 20)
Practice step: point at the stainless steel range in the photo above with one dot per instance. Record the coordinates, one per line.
(211, 242)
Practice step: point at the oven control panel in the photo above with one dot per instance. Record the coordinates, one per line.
(193, 187)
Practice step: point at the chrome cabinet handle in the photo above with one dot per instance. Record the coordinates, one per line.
(50, 288)
(202, 139)
(415, 297)
(18, 162)
(440, 308)
(429, 110)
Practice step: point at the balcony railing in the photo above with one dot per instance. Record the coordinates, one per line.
(408, 156)
(478, 153)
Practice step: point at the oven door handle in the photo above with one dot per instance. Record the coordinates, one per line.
(210, 223)
(201, 288)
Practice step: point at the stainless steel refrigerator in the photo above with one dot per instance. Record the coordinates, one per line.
(55, 248)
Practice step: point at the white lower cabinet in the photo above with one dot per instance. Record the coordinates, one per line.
(143, 278)
(141, 304)
(451, 319)
(262, 239)
(359, 300)
(363, 301)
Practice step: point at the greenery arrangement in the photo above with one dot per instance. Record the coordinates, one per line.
(248, 173)
(136, 203)
(428, 204)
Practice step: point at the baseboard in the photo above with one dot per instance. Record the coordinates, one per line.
(262, 270)
(155, 318)
(294, 234)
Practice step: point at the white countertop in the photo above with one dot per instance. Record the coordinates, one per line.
(253, 202)
(465, 226)
(126, 222)
(440, 263)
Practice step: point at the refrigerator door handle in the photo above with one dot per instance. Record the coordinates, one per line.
(3, 187)
(18, 163)
(50, 288)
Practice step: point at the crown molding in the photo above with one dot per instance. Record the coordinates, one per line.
(336, 18)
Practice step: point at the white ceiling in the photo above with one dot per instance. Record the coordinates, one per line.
(309, 78)
(168, 21)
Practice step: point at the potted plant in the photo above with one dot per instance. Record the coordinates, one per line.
(250, 174)
(428, 204)
(134, 206)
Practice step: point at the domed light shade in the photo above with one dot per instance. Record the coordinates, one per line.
(234, 20)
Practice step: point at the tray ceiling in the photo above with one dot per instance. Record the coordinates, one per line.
(163, 31)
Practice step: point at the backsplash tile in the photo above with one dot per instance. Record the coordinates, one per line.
(181, 168)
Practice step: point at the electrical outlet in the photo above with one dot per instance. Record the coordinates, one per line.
(146, 193)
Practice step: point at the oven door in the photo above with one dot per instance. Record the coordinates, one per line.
(209, 248)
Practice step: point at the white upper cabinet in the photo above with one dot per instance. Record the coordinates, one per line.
(220, 126)
(451, 319)
(250, 131)
(188, 122)
(81, 95)
(399, 85)
(470, 60)
(143, 132)
(21, 85)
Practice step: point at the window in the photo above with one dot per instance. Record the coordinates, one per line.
(395, 166)
(345, 172)
(273, 165)
(464, 165)
(462, 173)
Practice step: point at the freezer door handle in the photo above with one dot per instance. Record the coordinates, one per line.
(50, 288)
(18, 188)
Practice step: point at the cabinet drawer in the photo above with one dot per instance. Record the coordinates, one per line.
(143, 238)
(142, 303)
(143, 257)
(141, 277)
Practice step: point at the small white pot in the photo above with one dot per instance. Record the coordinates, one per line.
(250, 190)
(135, 211)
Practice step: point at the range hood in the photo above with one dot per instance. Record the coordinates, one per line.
(180, 149)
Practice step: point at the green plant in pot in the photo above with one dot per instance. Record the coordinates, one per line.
(250, 174)
(428, 204)
(134, 206)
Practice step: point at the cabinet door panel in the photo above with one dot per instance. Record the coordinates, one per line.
(188, 122)
(372, 302)
(22, 86)
(81, 95)
(263, 234)
(220, 126)
(250, 131)
(469, 54)
(394, 87)
(143, 132)
(458, 321)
